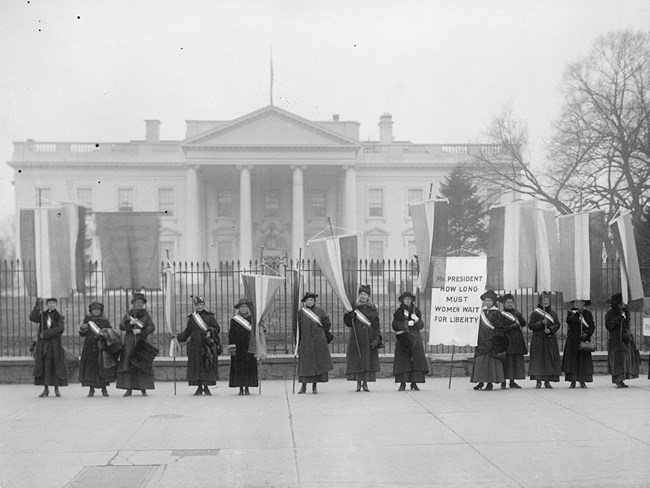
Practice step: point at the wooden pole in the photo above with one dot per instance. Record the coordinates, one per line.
(451, 368)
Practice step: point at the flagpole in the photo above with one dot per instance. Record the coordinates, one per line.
(170, 327)
(297, 324)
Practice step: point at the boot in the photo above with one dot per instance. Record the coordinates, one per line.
(358, 386)
(128, 392)
(144, 392)
(241, 390)
(365, 386)
(402, 386)
(91, 392)
(479, 386)
(206, 390)
(538, 385)
(104, 392)
(303, 389)
(503, 385)
(583, 385)
(488, 387)
(46, 392)
(314, 390)
(572, 385)
(514, 385)
(547, 385)
(56, 391)
(414, 386)
(198, 391)
(247, 391)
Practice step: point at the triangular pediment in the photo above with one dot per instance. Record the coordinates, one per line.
(269, 126)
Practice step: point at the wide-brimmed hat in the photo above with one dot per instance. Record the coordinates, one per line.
(490, 295)
(98, 305)
(198, 299)
(405, 294)
(138, 296)
(243, 301)
(617, 299)
(586, 303)
(365, 289)
(309, 294)
(507, 296)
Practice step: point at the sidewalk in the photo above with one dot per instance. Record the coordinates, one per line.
(338, 438)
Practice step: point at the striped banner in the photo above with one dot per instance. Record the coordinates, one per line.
(296, 292)
(511, 249)
(53, 239)
(260, 289)
(582, 238)
(170, 307)
(625, 244)
(548, 250)
(430, 226)
(337, 257)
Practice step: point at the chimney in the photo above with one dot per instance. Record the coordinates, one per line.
(386, 129)
(335, 117)
(153, 131)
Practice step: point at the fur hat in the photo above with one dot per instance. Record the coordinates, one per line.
(365, 289)
(308, 295)
(138, 296)
(98, 305)
(507, 296)
(243, 301)
(617, 299)
(198, 299)
(405, 294)
(490, 295)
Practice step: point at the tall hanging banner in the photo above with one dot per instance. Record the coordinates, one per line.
(53, 240)
(548, 250)
(511, 248)
(456, 306)
(624, 242)
(170, 307)
(296, 291)
(129, 244)
(582, 236)
(337, 258)
(430, 226)
(646, 324)
(260, 289)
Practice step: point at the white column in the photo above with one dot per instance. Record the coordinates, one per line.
(298, 214)
(193, 235)
(350, 199)
(245, 216)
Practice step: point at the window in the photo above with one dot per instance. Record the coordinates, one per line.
(317, 205)
(375, 202)
(413, 195)
(125, 199)
(166, 201)
(43, 197)
(272, 203)
(225, 205)
(85, 197)
(224, 251)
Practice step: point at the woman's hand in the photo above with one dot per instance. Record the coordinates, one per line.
(136, 331)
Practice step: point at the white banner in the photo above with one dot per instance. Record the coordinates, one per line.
(456, 308)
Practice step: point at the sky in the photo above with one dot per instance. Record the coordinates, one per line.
(79, 71)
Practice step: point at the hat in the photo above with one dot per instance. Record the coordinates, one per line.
(98, 305)
(365, 289)
(542, 294)
(198, 299)
(406, 294)
(617, 298)
(490, 295)
(586, 303)
(51, 299)
(507, 296)
(138, 296)
(308, 295)
(242, 301)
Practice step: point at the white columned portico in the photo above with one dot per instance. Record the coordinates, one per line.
(298, 213)
(193, 234)
(245, 216)
(350, 200)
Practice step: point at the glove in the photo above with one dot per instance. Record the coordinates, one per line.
(411, 323)
(416, 319)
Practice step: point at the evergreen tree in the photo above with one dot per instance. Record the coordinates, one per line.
(467, 211)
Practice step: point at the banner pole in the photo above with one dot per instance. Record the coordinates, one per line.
(174, 371)
(451, 368)
(259, 377)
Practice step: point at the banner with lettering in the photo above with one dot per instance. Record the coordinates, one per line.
(456, 307)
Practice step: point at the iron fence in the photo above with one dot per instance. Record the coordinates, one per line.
(222, 287)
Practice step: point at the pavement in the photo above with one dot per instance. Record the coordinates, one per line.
(595, 437)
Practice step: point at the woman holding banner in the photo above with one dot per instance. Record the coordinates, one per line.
(576, 362)
(622, 355)
(49, 357)
(545, 362)
(513, 322)
(243, 364)
(203, 347)
(488, 357)
(365, 338)
(91, 370)
(410, 364)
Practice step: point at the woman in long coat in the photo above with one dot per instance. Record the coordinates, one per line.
(576, 363)
(622, 355)
(513, 322)
(488, 365)
(410, 363)
(243, 365)
(545, 362)
(138, 325)
(314, 360)
(203, 346)
(91, 372)
(365, 337)
(49, 358)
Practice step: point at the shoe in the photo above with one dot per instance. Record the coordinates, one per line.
(199, 391)
(206, 391)
(402, 387)
(488, 387)
(514, 385)
(365, 387)
(582, 384)
(56, 391)
(247, 391)
(314, 390)
(104, 392)
(547, 385)
(572, 385)
(358, 386)
(144, 392)
(479, 386)
(241, 391)
(414, 387)
(503, 385)
(45, 393)
(538, 385)
(91, 392)
(128, 392)
(620, 384)
(303, 389)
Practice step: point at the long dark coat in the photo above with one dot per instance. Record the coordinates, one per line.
(314, 359)
(127, 376)
(243, 364)
(622, 355)
(545, 364)
(514, 332)
(200, 370)
(409, 349)
(576, 364)
(91, 372)
(369, 337)
(49, 348)
(487, 367)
